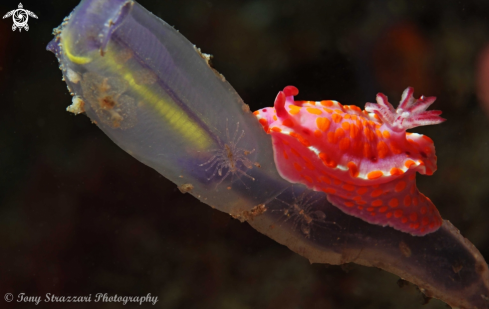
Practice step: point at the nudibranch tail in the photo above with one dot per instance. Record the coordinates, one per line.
(363, 160)
(411, 112)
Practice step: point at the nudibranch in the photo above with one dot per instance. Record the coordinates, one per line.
(364, 161)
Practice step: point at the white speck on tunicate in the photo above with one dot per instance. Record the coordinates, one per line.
(72, 76)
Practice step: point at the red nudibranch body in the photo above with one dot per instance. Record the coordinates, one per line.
(364, 161)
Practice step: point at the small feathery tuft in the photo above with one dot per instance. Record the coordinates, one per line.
(409, 114)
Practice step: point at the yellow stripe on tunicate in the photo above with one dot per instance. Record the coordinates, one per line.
(170, 112)
(66, 43)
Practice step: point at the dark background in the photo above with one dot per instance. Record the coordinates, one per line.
(79, 216)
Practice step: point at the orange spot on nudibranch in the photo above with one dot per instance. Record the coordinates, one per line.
(338, 134)
(393, 203)
(353, 169)
(309, 164)
(407, 200)
(354, 131)
(377, 203)
(374, 175)
(345, 124)
(413, 216)
(349, 187)
(288, 123)
(285, 155)
(337, 118)
(359, 124)
(362, 190)
(294, 109)
(369, 134)
(382, 149)
(314, 111)
(409, 163)
(295, 152)
(344, 144)
(414, 225)
(367, 152)
(415, 201)
(425, 221)
(304, 142)
(327, 103)
(349, 204)
(323, 123)
(325, 179)
(401, 185)
(301, 139)
(394, 148)
(297, 166)
(386, 134)
(327, 161)
(276, 129)
(376, 193)
(256, 113)
(398, 213)
(329, 190)
(318, 134)
(331, 137)
(355, 108)
(396, 171)
(307, 178)
(383, 209)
